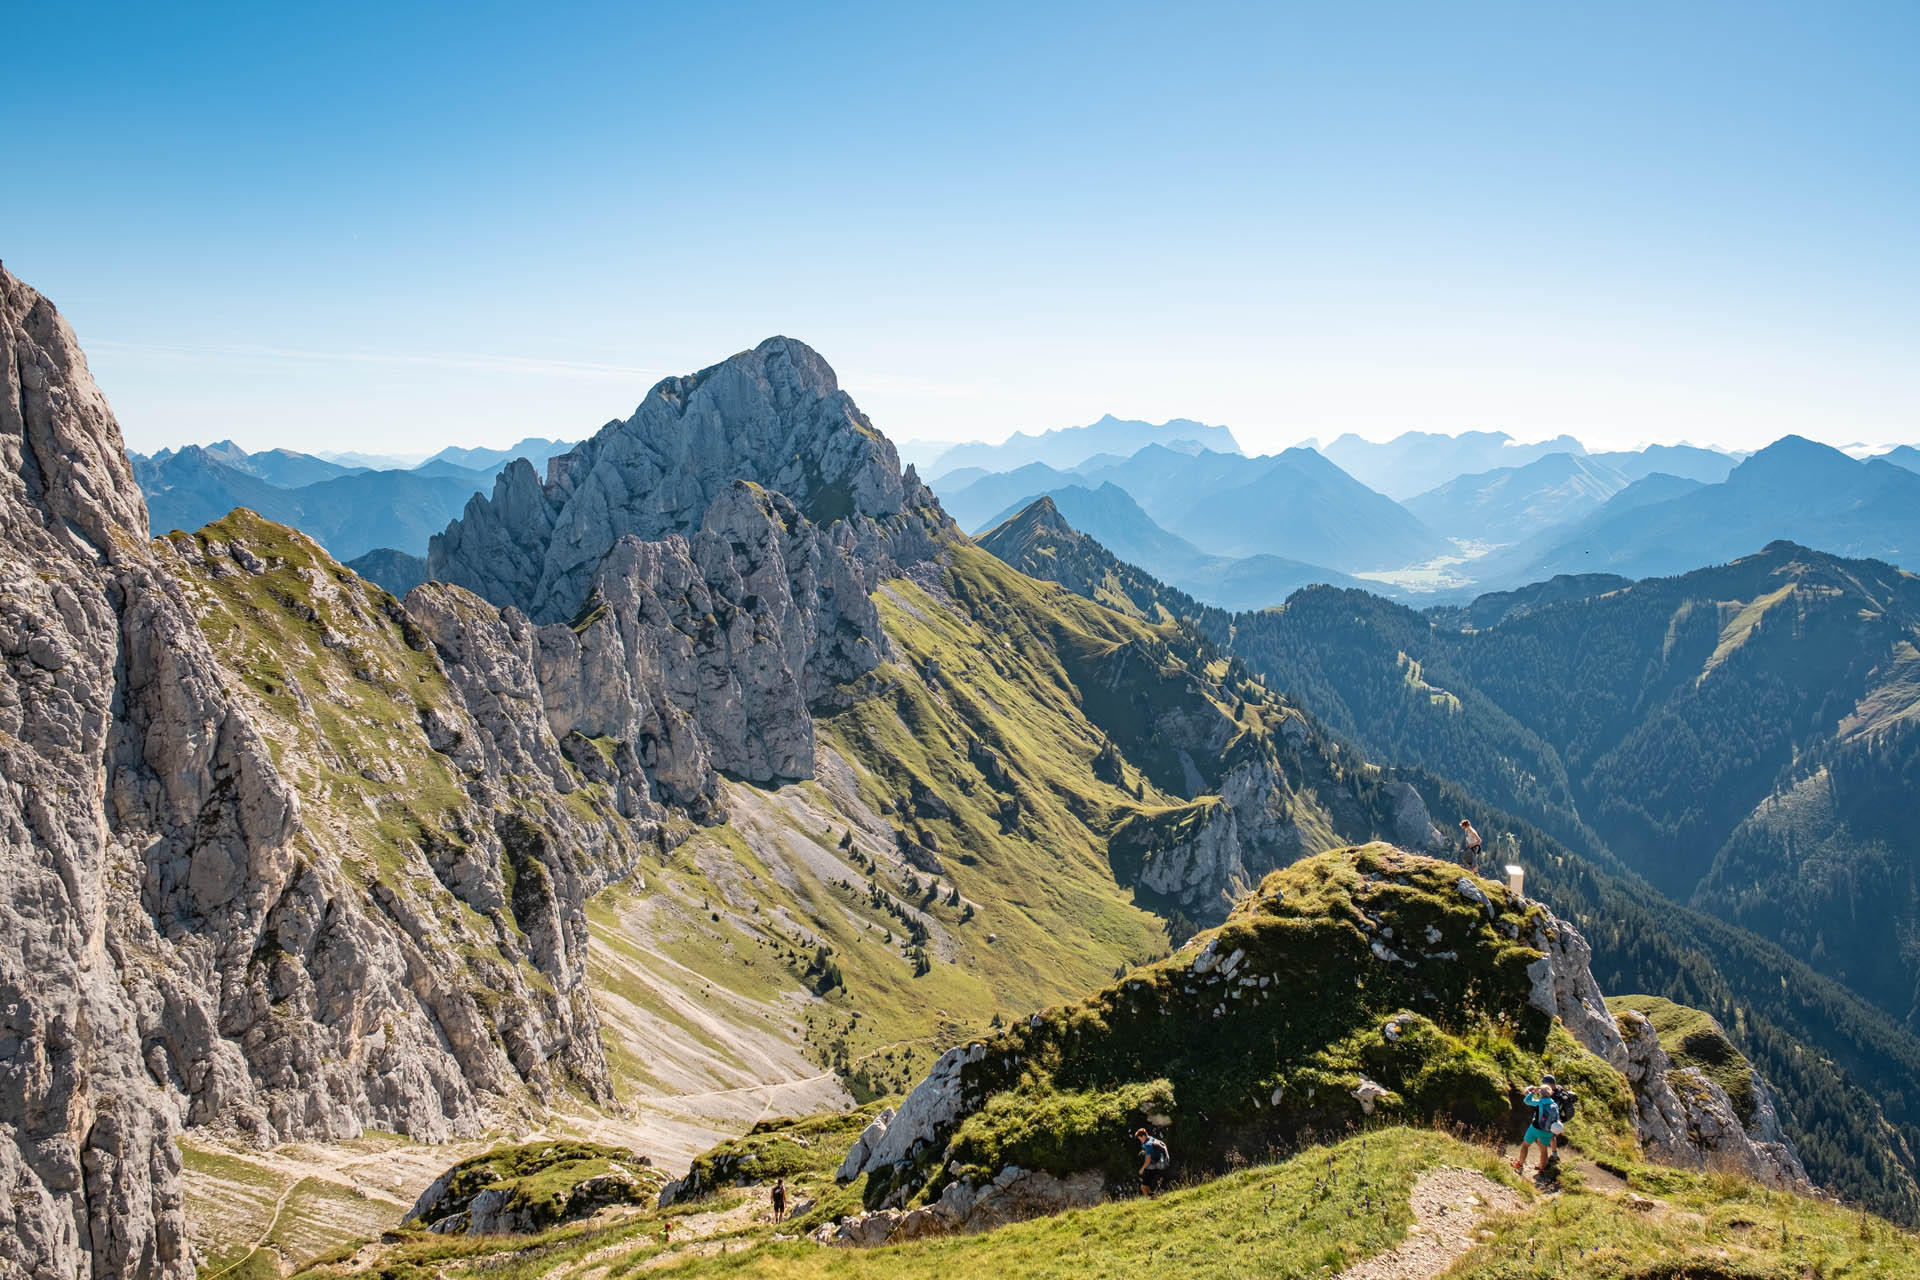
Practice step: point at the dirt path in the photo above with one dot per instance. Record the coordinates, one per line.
(1447, 1205)
(265, 1237)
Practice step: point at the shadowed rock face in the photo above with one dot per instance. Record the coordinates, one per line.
(189, 937)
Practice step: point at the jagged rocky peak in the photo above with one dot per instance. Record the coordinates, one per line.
(63, 453)
(775, 416)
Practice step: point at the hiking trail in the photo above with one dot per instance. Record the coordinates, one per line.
(1447, 1205)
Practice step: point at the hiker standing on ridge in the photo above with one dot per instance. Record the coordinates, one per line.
(779, 1199)
(1154, 1159)
(1544, 1125)
(1472, 838)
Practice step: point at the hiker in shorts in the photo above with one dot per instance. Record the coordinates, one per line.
(1472, 838)
(1544, 1125)
(779, 1199)
(1154, 1159)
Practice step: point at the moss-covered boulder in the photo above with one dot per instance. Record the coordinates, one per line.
(804, 1148)
(1363, 982)
(512, 1190)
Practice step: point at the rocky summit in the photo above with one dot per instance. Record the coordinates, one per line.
(774, 417)
(1457, 992)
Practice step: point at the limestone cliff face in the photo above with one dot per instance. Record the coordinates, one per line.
(274, 855)
(774, 415)
(1263, 821)
(85, 1150)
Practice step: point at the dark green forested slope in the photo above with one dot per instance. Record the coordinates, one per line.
(1679, 723)
(1827, 865)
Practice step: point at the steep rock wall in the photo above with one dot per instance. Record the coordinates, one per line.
(268, 858)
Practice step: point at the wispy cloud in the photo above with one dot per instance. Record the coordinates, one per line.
(474, 362)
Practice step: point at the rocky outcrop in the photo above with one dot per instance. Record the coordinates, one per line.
(1681, 1117)
(1255, 828)
(1685, 1118)
(1395, 933)
(926, 1116)
(774, 416)
(1014, 1195)
(523, 1189)
(1248, 833)
(1564, 988)
(270, 858)
(864, 1147)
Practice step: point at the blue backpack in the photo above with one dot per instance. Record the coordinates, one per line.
(1157, 1154)
(1549, 1113)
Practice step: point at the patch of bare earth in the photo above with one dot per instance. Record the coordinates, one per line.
(1447, 1205)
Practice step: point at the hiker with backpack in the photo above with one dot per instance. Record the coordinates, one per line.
(1472, 839)
(779, 1199)
(1155, 1159)
(1544, 1128)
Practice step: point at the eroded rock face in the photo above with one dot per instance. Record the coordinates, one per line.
(85, 1136)
(191, 936)
(711, 654)
(702, 572)
(1255, 831)
(1563, 987)
(1014, 1195)
(1249, 834)
(927, 1115)
(1687, 1119)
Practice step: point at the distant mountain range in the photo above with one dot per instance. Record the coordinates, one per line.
(1905, 456)
(1416, 461)
(1067, 447)
(1112, 520)
(282, 468)
(1793, 489)
(1228, 528)
(349, 510)
(1511, 503)
(1295, 505)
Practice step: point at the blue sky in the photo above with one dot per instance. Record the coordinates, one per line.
(394, 227)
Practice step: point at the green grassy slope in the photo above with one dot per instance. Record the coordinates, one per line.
(955, 860)
(1312, 1215)
(1357, 965)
